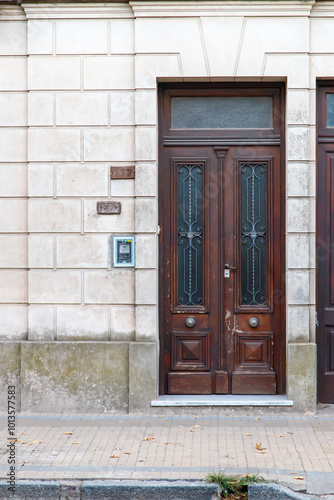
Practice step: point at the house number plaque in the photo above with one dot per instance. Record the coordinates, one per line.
(108, 207)
(127, 172)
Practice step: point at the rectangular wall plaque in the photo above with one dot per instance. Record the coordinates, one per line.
(108, 207)
(127, 172)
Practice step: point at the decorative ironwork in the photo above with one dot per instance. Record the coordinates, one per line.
(190, 234)
(253, 233)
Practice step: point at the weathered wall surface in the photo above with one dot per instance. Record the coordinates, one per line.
(86, 99)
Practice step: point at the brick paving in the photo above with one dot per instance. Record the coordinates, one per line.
(184, 444)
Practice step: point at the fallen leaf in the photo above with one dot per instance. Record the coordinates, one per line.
(280, 436)
(196, 417)
(54, 452)
(247, 434)
(140, 460)
(167, 442)
(256, 418)
(293, 472)
(262, 451)
(299, 477)
(37, 441)
(68, 433)
(76, 442)
(24, 442)
(111, 456)
(191, 430)
(161, 416)
(148, 438)
(126, 452)
(259, 447)
(24, 433)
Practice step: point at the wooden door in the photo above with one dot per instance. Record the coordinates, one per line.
(221, 232)
(221, 264)
(325, 243)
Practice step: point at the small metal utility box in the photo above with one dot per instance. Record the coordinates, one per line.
(124, 251)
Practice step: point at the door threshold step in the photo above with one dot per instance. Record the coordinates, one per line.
(222, 400)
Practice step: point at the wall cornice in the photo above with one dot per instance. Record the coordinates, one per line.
(77, 10)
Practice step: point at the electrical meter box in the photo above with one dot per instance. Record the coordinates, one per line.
(124, 251)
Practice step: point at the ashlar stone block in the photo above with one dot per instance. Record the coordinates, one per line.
(13, 73)
(122, 107)
(109, 72)
(146, 181)
(40, 36)
(120, 223)
(298, 107)
(13, 179)
(294, 66)
(298, 324)
(13, 286)
(40, 109)
(146, 251)
(40, 179)
(298, 251)
(82, 251)
(298, 215)
(298, 143)
(298, 179)
(81, 36)
(13, 41)
(78, 376)
(54, 73)
(109, 287)
(82, 180)
(146, 143)
(146, 107)
(54, 287)
(52, 144)
(13, 251)
(146, 215)
(146, 287)
(122, 38)
(302, 375)
(298, 287)
(14, 323)
(143, 380)
(122, 322)
(146, 323)
(13, 144)
(41, 322)
(49, 215)
(40, 251)
(114, 144)
(13, 109)
(13, 216)
(149, 67)
(85, 108)
(82, 323)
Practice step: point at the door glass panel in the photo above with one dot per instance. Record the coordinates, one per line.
(222, 112)
(330, 110)
(253, 233)
(190, 234)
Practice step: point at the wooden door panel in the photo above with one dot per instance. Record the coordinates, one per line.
(325, 281)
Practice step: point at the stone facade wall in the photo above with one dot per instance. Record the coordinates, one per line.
(78, 94)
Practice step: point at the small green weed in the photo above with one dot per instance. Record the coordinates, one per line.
(233, 487)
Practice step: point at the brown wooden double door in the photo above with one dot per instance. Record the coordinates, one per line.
(325, 242)
(222, 291)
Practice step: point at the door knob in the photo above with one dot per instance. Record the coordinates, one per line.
(227, 266)
(190, 322)
(253, 322)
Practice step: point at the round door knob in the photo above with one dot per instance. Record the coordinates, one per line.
(190, 322)
(253, 322)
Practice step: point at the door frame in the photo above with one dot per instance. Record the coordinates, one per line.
(230, 138)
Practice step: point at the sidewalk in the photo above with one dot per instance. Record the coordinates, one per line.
(285, 447)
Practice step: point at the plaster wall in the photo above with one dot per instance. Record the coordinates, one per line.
(78, 94)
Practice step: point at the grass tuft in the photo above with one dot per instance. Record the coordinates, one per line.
(232, 487)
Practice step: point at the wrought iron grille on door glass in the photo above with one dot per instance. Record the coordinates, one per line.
(253, 233)
(190, 234)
